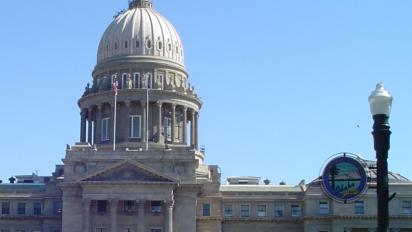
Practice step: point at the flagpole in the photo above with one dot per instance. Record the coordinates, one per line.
(114, 122)
(115, 88)
(147, 115)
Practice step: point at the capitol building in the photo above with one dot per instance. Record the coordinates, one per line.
(137, 166)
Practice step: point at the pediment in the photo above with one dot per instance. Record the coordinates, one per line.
(128, 171)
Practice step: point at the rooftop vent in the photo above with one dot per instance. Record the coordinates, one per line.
(266, 181)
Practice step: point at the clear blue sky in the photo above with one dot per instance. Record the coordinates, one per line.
(284, 83)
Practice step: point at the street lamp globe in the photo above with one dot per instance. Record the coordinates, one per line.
(380, 101)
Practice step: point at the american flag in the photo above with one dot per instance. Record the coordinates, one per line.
(115, 87)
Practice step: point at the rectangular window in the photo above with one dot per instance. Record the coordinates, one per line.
(359, 207)
(407, 207)
(124, 80)
(136, 80)
(101, 206)
(206, 209)
(57, 208)
(5, 208)
(100, 229)
(149, 77)
(167, 129)
(105, 129)
(323, 208)
(37, 208)
(261, 210)
(5, 230)
(21, 208)
(128, 230)
(244, 210)
(296, 211)
(228, 211)
(135, 125)
(128, 206)
(155, 207)
(155, 230)
(279, 210)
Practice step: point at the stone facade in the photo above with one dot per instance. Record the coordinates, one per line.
(138, 167)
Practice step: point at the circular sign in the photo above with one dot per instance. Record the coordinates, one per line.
(344, 179)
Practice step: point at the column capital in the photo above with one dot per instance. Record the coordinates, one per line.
(159, 104)
(169, 203)
(127, 103)
(173, 105)
(86, 201)
(143, 103)
(140, 202)
(99, 106)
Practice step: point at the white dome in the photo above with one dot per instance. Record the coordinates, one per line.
(141, 31)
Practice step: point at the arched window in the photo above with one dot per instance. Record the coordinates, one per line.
(126, 44)
(115, 46)
(160, 45)
(149, 44)
(137, 43)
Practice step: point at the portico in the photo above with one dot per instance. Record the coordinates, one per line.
(127, 195)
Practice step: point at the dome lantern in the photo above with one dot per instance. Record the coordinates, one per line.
(140, 3)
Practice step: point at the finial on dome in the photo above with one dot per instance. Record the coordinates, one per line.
(140, 4)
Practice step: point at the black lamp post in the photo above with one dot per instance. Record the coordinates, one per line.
(381, 104)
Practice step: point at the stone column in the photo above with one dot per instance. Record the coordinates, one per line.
(90, 125)
(192, 129)
(86, 215)
(173, 123)
(127, 130)
(113, 215)
(169, 216)
(159, 122)
(196, 130)
(140, 216)
(83, 126)
(144, 127)
(97, 123)
(184, 125)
